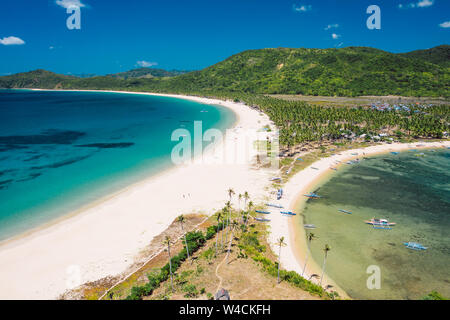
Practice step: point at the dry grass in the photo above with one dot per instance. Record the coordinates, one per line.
(242, 277)
(358, 101)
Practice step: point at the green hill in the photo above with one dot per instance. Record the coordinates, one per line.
(438, 55)
(352, 71)
(146, 73)
(35, 79)
(345, 72)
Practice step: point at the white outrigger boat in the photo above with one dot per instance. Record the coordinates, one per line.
(380, 223)
(414, 246)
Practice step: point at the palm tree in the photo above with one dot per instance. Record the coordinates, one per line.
(230, 193)
(224, 215)
(228, 206)
(281, 243)
(325, 249)
(246, 197)
(219, 215)
(167, 242)
(181, 220)
(250, 205)
(239, 202)
(311, 237)
(233, 227)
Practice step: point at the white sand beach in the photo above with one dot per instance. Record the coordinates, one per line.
(293, 256)
(103, 238)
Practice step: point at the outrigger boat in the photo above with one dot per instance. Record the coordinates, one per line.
(274, 205)
(380, 223)
(414, 246)
(345, 211)
(263, 212)
(279, 194)
(288, 212)
(312, 195)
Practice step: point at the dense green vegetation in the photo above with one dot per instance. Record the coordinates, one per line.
(300, 122)
(434, 295)
(352, 71)
(344, 72)
(438, 55)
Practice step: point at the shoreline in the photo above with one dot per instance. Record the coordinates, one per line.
(35, 231)
(103, 237)
(307, 180)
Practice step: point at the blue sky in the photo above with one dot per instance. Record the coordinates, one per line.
(179, 34)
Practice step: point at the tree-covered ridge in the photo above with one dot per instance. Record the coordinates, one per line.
(439, 55)
(35, 79)
(349, 71)
(146, 73)
(352, 71)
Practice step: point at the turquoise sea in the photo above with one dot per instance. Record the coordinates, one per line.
(62, 150)
(411, 190)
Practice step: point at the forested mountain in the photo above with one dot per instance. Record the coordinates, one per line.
(146, 73)
(352, 71)
(438, 55)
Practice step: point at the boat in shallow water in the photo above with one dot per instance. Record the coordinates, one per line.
(312, 195)
(414, 246)
(309, 226)
(380, 222)
(345, 211)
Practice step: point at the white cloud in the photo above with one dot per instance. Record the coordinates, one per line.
(7, 41)
(70, 3)
(420, 4)
(425, 3)
(331, 26)
(302, 8)
(445, 24)
(146, 64)
(335, 36)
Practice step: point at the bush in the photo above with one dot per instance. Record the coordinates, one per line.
(434, 295)
(190, 290)
(211, 232)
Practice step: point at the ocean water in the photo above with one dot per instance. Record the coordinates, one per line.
(414, 192)
(62, 150)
